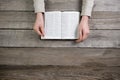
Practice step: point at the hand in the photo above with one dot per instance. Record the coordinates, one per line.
(39, 24)
(83, 29)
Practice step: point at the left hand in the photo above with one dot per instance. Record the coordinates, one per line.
(83, 29)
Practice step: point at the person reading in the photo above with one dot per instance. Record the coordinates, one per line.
(82, 28)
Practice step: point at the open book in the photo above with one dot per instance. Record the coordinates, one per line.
(61, 25)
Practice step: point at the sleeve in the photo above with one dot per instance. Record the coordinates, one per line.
(39, 6)
(87, 6)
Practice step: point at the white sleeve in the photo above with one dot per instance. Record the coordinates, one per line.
(87, 6)
(39, 6)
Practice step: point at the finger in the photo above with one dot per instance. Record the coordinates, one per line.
(42, 30)
(80, 37)
(38, 31)
(84, 36)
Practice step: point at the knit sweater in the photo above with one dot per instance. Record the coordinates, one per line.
(87, 5)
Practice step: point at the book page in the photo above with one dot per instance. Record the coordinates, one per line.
(70, 22)
(52, 25)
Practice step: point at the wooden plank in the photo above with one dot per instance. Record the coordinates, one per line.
(25, 20)
(60, 56)
(63, 5)
(16, 5)
(17, 16)
(30, 16)
(28, 38)
(27, 5)
(107, 5)
(59, 73)
(95, 24)
(105, 15)
(19, 25)
(108, 24)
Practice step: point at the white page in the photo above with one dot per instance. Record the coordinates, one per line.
(70, 22)
(52, 25)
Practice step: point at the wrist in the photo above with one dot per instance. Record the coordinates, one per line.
(39, 16)
(85, 18)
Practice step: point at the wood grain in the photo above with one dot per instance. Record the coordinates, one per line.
(23, 56)
(17, 19)
(60, 56)
(59, 73)
(28, 38)
(25, 20)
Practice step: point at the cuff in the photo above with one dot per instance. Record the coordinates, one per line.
(39, 6)
(87, 6)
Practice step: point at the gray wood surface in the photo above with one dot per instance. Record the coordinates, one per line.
(59, 73)
(60, 56)
(27, 5)
(30, 16)
(97, 58)
(25, 20)
(28, 38)
(95, 24)
(63, 5)
(17, 19)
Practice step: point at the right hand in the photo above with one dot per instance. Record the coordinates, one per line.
(39, 24)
